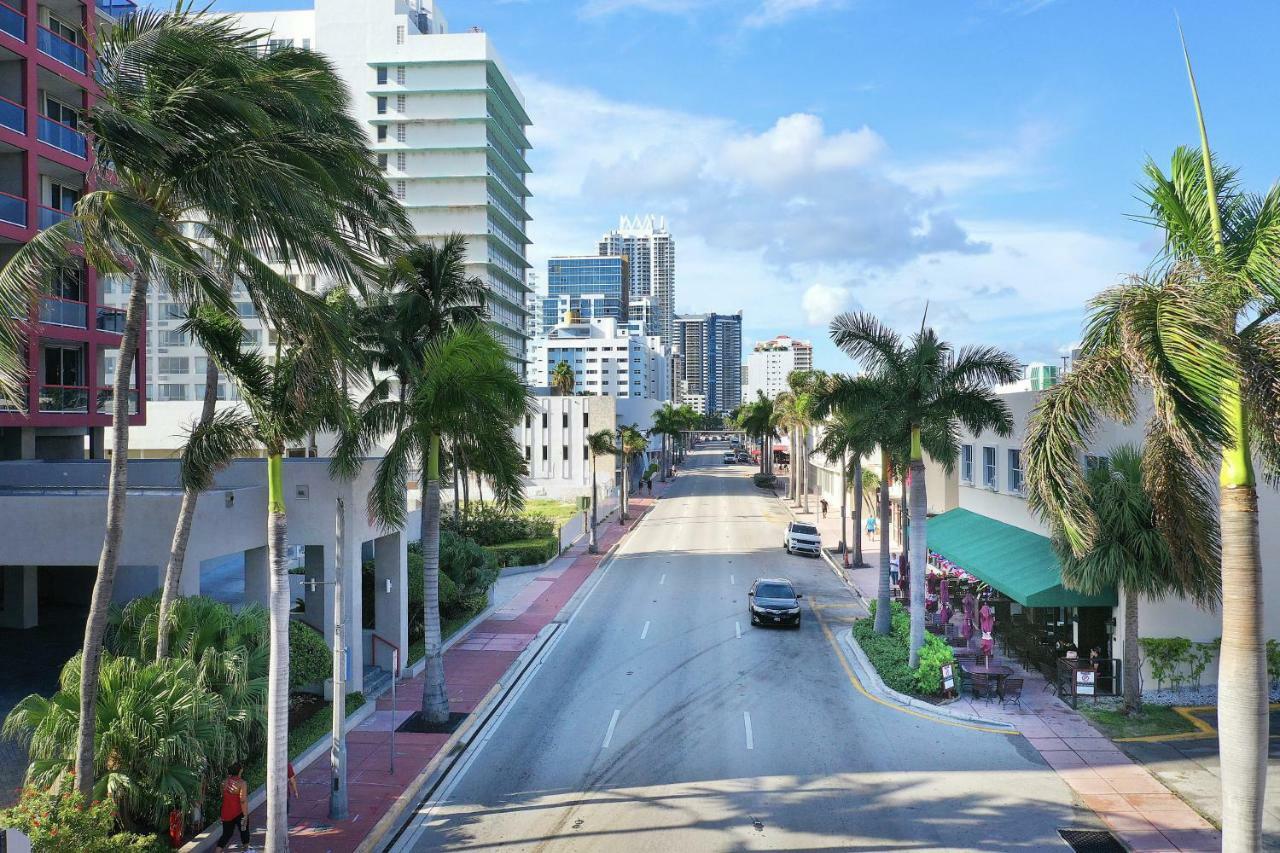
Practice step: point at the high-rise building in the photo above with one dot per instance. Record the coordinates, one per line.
(651, 254)
(771, 362)
(448, 124)
(592, 287)
(608, 358)
(710, 348)
(73, 336)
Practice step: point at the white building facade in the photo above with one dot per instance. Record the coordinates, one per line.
(651, 255)
(609, 359)
(770, 363)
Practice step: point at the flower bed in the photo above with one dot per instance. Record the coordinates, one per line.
(890, 653)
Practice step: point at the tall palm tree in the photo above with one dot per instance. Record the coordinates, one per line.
(463, 385)
(1129, 551)
(197, 123)
(633, 444)
(599, 443)
(849, 437)
(760, 419)
(925, 390)
(666, 423)
(562, 379)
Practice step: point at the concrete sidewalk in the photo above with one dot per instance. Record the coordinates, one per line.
(472, 666)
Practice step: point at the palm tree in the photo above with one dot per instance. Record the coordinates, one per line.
(632, 445)
(924, 390)
(562, 379)
(463, 386)
(666, 423)
(197, 123)
(1130, 552)
(849, 436)
(760, 419)
(599, 443)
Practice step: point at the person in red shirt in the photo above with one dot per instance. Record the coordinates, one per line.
(292, 793)
(235, 808)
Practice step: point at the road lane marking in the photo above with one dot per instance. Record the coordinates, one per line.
(737, 629)
(608, 735)
(731, 580)
(746, 718)
(645, 632)
(662, 580)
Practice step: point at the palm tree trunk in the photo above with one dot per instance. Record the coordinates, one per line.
(1242, 673)
(883, 596)
(857, 514)
(793, 489)
(278, 668)
(1132, 660)
(338, 802)
(904, 525)
(592, 548)
(844, 509)
(626, 475)
(435, 698)
(804, 467)
(456, 504)
(117, 484)
(182, 529)
(466, 491)
(917, 547)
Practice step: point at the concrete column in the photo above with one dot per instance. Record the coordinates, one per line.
(354, 599)
(28, 443)
(97, 443)
(20, 607)
(391, 567)
(319, 600)
(257, 577)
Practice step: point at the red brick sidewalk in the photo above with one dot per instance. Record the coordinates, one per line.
(472, 666)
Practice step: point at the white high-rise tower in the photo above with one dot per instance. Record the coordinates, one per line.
(651, 254)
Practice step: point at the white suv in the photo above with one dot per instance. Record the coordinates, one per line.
(802, 538)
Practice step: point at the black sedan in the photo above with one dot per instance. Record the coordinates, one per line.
(773, 601)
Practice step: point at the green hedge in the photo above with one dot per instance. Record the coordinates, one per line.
(764, 481)
(309, 657)
(489, 525)
(525, 552)
(889, 653)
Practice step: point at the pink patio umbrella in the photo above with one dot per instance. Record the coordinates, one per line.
(969, 603)
(987, 622)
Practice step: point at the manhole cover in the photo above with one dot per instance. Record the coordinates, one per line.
(1091, 841)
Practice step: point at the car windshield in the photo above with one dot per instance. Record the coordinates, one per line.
(804, 528)
(774, 590)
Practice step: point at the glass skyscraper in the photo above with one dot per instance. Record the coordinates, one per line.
(592, 287)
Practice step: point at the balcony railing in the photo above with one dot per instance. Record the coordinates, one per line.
(107, 395)
(68, 53)
(50, 216)
(13, 209)
(61, 136)
(63, 312)
(111, 320)
(64, 398)
(13, 115)
(13, 22)
(118, 8)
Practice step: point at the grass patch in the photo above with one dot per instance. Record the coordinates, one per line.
(301, 736)
(1153, 720)
(559, 511)
(450, 626)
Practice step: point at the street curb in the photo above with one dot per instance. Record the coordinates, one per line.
(205, 840)
(872, 681)
(453, 748)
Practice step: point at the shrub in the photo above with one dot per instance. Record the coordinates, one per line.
(887, 654)
(58, 820)
(529, 552)
(1273, 661)
(764, 481)
(933, 655)
(489, 525)
(309, 657)
(892, 653)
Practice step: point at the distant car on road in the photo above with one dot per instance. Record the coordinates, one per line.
(773, 601)
(802, 538)
(729, 458)
(744, 457)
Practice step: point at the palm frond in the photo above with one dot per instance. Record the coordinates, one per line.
(211, 446)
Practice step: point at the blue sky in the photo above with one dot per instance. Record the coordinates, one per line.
(814, 156)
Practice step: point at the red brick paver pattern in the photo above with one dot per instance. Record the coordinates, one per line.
(472, 666)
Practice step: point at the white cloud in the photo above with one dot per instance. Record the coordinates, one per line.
(821, 302)
(773, 12)
(764, 13)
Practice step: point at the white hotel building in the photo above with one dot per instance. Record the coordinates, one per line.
(771, 362)
(609, 359)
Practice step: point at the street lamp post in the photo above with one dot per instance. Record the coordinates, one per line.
(338, 737)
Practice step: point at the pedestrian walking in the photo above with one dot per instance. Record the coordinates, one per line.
(823, 503)
(293, 790)
(235, 808)
(871, 527)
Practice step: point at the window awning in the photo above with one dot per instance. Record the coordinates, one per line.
(1019, 563)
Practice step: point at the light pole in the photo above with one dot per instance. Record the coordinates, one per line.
(338, 737)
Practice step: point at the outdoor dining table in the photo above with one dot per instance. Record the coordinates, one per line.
(996, 671)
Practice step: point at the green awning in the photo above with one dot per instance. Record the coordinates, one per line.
(1019, 563)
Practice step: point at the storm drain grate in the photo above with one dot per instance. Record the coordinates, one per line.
(1091, 841)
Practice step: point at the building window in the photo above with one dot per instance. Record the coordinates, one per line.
(1015, 471)
(564, 420)
(400, 34)
(166, 392)
(528, 422)
(382, 75)
(400, 190)
(586, 419)
(966, 463)
(989, 467)
(399, 103)
(400, 160)
(382, 105)
(586, 452)
(173, 364)
(400, 132)
(528, 452)
(382, 162)
(382, 133)
(544, 453)
(544, 420)
(400, 74)
(564, 452)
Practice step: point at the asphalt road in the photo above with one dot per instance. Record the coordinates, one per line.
(661, 721)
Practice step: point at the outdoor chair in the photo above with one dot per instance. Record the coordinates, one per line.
(1050, 674)
(981, 686)
(1012, 691)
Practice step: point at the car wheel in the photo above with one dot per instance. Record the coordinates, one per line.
(754, 620)
(797, 623)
